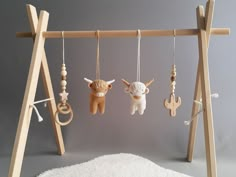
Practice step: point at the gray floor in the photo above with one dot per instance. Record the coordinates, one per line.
(41, 149)
(41, 161)
(84, 144)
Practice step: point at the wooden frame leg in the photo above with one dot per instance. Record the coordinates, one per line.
(33, 19)
(195, 109)
(204, 21)
(198, 91)
(206, 100)
(207, 109)
(29, 96)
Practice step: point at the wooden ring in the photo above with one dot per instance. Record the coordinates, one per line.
(64, 108)
(63, 123)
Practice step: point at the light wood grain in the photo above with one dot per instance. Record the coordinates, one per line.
(197, 93)
(33, 20)
(125, 33)
(29, 96)
(209, 18)
(207, 106)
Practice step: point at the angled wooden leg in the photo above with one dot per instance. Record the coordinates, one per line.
(209, 18)
(197, 93)
(207, 109)
(203, 87)
(206, 101)
(33, 19)
(195, 109)
(30, 91)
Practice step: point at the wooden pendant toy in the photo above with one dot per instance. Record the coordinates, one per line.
(63, 107)
(99, 88)
(173, 102)
(137, 89)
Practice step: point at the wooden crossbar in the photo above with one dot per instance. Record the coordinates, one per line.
(125, 33)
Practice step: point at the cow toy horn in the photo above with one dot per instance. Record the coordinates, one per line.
(149, 83)
(88, 80)
(110, 82)
(125, 82)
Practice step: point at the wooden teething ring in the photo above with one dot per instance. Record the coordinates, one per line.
(63, 109)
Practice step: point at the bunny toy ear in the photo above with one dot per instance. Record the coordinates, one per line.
(147, 84)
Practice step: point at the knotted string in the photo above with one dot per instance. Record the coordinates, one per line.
(40, 118)
(138, 56)
(98, 58)
(214, 95)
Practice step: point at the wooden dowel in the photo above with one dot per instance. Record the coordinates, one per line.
(124, 33)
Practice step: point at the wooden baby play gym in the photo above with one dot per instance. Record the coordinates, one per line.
(39, 34)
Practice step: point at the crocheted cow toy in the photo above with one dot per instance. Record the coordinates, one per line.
(99, 88)
(137, 91)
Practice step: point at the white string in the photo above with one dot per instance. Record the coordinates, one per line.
(63, 48)
(174, 48)
(98, 58)
(45, 100)
(40, 118)
(138, 56)
(195, 116)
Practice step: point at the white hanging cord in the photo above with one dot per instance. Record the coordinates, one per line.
(98, 58)
(138, 56)
(174, 48)
(40, 118)
(195, 116)
(63, 48)
(42, 101)
(214, 95)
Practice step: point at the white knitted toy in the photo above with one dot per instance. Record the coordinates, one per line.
(137, 91)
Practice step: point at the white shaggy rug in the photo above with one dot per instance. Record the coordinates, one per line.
(117, 165)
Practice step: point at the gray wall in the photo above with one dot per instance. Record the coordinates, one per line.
(118, 131)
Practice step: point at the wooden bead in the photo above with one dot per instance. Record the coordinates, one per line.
(63, 83)
(63, 68)
(63, 72)
(63, 77)
(172, 78)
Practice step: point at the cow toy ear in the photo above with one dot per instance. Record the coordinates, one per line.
(147, 91)
(127, 84)
(89, 82)
(109, 86)
(90, 85)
